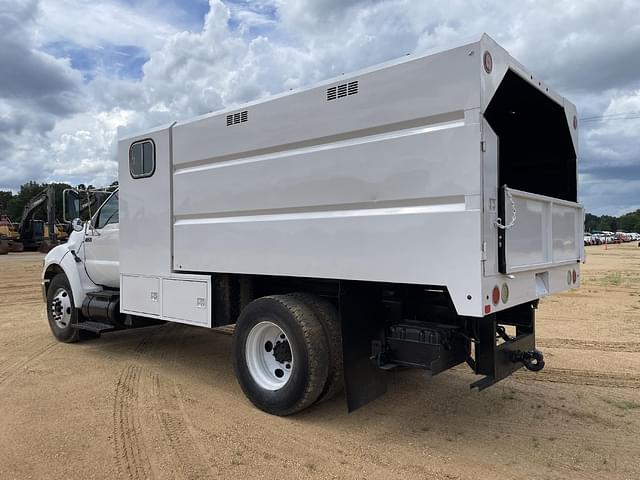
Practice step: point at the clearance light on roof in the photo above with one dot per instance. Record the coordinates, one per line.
(487, 60)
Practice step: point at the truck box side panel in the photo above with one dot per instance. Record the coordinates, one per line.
(420, 166)
(432, 244)
(437, 88)
(404, 208)
(378, 180)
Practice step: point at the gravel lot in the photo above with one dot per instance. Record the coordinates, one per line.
(162, 402)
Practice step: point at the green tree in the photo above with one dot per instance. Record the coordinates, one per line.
(591, 222)
(27, 192)
(5, 199)
(630, 222)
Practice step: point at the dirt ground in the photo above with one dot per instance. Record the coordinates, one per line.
(163, 403)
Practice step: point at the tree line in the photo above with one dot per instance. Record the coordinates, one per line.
(629, 222)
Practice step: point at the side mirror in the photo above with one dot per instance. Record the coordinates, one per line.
(77, 225)
(70, 205)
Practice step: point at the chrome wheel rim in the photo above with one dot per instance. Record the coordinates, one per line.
(269, 356)
(61, 308)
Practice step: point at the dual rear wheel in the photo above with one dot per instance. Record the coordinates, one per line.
(288, 352)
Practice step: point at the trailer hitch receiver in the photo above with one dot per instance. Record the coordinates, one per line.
(532, 360)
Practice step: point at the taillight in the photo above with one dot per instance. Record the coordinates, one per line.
(495, 295)
(575, 276)
(505, 293)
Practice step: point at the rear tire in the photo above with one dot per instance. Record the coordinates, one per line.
(280, 354)
(61, 310)
(328, 316)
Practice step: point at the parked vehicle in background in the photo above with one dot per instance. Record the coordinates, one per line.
(588, 239)
(380, 231)
(9, 235)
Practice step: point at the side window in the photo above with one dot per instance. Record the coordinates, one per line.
(108, 213)
(142, 159)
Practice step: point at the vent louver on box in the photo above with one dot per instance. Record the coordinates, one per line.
(238, 117)
(342, 90)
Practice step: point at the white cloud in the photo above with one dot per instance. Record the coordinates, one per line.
(585, 49)
(91, 24)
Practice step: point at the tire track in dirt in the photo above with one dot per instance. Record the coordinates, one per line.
(129, 446)
(573, 344)
(582, 377)
(188, 456)
(138, 387)
(10, 369)
(178, 430)
(20, 298)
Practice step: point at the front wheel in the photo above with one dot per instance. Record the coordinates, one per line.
(281, 355)
(61, 310)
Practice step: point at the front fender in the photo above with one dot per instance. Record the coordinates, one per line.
(60, 259)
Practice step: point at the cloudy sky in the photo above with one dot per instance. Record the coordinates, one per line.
(74, 73)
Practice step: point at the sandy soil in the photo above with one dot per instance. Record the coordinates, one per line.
(163, 403)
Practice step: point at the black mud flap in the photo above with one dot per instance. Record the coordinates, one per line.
(362, 319)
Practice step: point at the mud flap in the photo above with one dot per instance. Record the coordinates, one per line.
(362, 319)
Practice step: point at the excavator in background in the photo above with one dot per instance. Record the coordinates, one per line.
(36, 234)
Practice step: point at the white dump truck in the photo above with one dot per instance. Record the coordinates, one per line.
(410, 214)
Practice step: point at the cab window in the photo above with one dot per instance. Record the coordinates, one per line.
(108, 213)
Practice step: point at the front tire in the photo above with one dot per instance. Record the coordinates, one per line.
(280, 353)
(61, 311)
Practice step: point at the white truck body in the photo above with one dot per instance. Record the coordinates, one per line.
(452, 173)
(388, 183)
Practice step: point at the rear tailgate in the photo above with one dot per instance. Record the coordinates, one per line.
(540, 231)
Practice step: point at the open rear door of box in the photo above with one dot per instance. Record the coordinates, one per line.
(544, 231)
